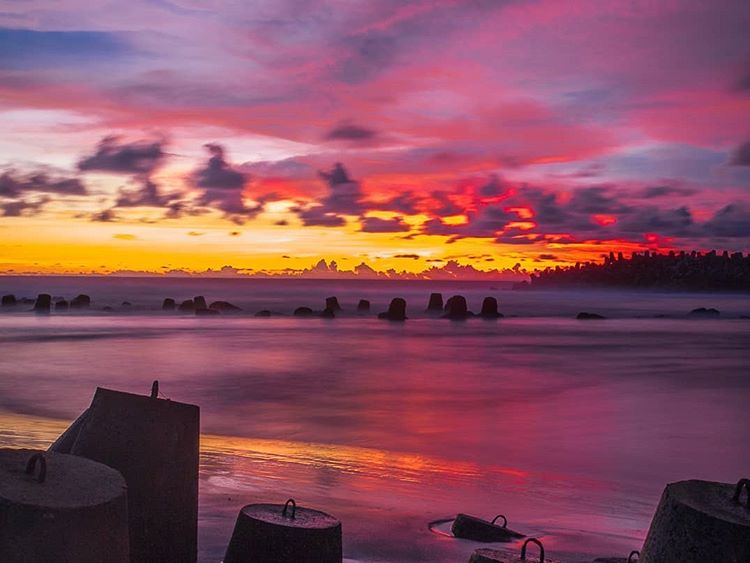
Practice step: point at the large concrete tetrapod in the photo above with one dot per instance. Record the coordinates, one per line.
(274, 533)
(154, 444)
(698, 522)
(56, 507)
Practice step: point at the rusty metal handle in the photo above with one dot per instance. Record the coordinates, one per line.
(635, 553)
(738, 491)
(505, 520)
(294, 508)
(534, 541)
(31, 465)
(155, 389)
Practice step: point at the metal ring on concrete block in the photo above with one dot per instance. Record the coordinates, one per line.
(536, 542)
(505, 520)
(634, 553)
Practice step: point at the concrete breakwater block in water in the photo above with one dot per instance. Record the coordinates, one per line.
(435, 303)
(497, 556)
(700, 521)
(154, 444)
(43, 303)
(489, 309)
(333, 304)
(456, 309)
(274, 533)
(477, 529)
(56, 507)
(396, 310)
(363, 306)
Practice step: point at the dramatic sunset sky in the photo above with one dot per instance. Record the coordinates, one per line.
(159, 135)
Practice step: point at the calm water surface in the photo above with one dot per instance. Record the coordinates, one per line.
(569, 428)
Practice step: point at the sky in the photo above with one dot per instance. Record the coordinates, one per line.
(460, 138)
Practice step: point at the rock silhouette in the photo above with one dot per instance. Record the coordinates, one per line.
(8, 301)
(43, 303)
(263, 313)
(435, 304)
(584, 316)
(168, 304)
(363, 306)
(396, 310)
(81, 301)
(489, 309)
(303, 312)
(333, 303)
(703, 312)
(186, 306)
(224, 307)
(200, 302)
(61, 305)
(456, 309)
(328, 313)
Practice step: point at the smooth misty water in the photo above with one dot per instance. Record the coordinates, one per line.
(570, 428)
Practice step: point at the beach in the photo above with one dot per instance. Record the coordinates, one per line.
(570, 428)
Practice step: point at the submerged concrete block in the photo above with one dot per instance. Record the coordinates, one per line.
(56, 507)
(363, 306)
(485, 555)
(154, 444)
(274, 533)
(477, 529)
(700, 521)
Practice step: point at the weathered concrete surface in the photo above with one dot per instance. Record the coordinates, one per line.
(154, 444)
(698, 522)
(473, 528)
(77, 514)
(264, 533)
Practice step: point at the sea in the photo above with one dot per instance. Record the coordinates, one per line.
(570, 428)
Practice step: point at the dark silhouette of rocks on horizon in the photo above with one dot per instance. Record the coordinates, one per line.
(363, 306)
(168, 304)
(82, 301)
(303, 312)
(8, 301)
(584, 316)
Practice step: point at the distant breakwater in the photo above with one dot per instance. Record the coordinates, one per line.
(454, 308)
